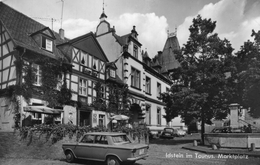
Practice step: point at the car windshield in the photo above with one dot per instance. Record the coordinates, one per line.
(120, 139)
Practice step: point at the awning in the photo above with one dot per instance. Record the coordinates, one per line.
(120, 117)
(42, 109)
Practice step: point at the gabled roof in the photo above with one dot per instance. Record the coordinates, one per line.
(89, 44)
(46, 31)
(155, 62)
(20, 26)
(146, 56)
(122, 40)
(167, 59)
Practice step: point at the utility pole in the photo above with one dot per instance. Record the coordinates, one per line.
(61, 13)
(47, 19)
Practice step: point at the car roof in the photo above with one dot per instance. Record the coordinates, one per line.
(105, 133)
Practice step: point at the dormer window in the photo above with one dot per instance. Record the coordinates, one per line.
(112, 73)
(135, 53)
(47, 44)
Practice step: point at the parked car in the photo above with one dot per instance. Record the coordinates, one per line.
(111, 147)
(221, 130)
(227, 130)
(168, 133)
(180, 132)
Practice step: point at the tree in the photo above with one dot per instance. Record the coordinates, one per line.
(117, 100)
(248, 64)
(202, 84)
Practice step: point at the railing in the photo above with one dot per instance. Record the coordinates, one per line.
(247, 123)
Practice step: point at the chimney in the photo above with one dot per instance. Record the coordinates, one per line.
(61, 33)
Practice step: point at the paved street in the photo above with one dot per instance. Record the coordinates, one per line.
(162, 152)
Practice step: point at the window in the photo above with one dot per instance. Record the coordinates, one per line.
(112, 73)
(148, 85)
(135, 78)
(47, 44)
(36, 115)
(88, 139)
(95, 64)
(101, 139)
(101, 120)
(148, 114)
(135, 53)
(84, 59)
(158, 90)
(102, 92)
(83, 84)
(120, 139)
(38, 74)
(60, 81)
(158, 116)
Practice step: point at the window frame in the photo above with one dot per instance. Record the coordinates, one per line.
(135, 78)
(158, 114)
(147, 85)
(38, 74)
(80, 88)
(135, 51)
(101, 117)
(159, 90)
(44, 44)
(112, 73)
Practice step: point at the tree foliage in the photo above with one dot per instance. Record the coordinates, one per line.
(57, 132)
(248, 64)
(203, 85)
(117, 100)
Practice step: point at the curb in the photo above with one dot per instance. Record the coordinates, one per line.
(225, 152)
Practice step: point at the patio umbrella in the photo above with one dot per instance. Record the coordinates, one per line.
(120, 117)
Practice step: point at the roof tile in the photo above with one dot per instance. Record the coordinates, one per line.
(20, 26)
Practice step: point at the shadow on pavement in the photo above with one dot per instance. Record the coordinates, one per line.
(89, 162)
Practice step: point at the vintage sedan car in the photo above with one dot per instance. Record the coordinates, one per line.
(180, 132)
(112, 147)
(168, 133)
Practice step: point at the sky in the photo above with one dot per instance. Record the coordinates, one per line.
(153, 19)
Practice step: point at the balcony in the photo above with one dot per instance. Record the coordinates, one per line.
(90, 72)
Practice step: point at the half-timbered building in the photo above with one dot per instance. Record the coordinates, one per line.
(26, 47)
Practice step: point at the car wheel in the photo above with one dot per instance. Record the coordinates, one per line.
(112, 160)
(69, 157)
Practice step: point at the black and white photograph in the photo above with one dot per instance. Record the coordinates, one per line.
(138, 82)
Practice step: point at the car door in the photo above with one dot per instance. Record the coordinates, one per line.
(84, 148)
(99, 147)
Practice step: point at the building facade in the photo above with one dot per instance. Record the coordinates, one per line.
(89, 67)
(137, 70)
(80, 63)
(26, 47)
(102, 57)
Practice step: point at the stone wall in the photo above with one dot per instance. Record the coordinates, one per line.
(232, 140)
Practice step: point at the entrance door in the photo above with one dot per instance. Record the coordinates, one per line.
(84, 118)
